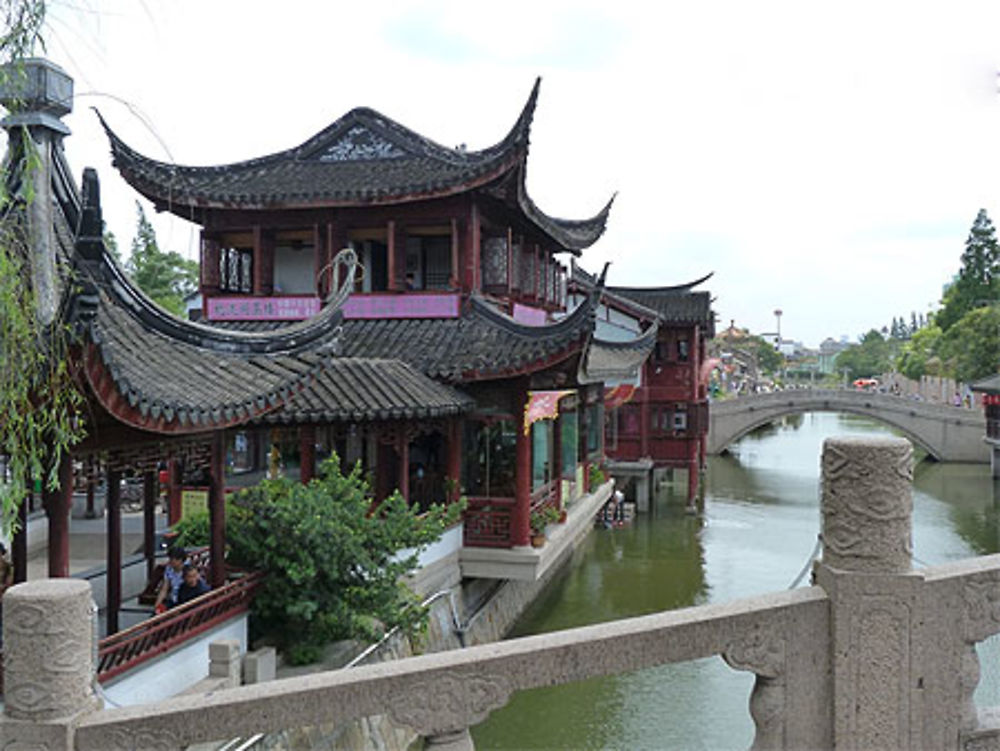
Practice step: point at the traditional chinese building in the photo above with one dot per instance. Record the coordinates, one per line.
(461, 280)
(659, 418)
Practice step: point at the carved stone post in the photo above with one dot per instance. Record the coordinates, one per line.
(762, 652)
(50, 639)
(876, 624)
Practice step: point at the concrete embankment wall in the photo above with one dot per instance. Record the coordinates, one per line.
(485, 609)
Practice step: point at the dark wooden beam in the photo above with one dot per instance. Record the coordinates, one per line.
(307, 453)
(217, 511)
(19, 554)
(113, 579)
(58, 504)
(520, 529)
(149, 493)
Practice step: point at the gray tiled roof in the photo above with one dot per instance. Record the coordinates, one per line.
(672, 304)
(612, 360)
(481, 343)
(363, 158)
(356, 389)
(187, 377)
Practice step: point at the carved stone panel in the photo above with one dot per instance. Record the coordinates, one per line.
(880, 678)
(50, 674)
(867, 504)
(449, 702)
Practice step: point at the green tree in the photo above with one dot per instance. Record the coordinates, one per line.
(166, 276)
(978, 281)
(39, 403)
(870, 357)
(769, 359)
(970, 349)
(333, 565)
(922, 347)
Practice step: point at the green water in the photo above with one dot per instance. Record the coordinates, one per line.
(759, 528)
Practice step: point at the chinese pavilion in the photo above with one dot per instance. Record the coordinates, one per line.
(460, 282)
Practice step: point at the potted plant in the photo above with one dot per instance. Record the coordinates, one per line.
(596, 478)
(540, 519)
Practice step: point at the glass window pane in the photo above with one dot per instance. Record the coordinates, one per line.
(541, 454)
(569, 437)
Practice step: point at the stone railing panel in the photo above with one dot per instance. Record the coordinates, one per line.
(443, 693)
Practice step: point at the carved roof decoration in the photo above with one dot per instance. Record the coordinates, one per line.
(362, 159)
(617, 360)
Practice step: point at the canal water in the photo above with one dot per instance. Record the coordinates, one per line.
(758, 531)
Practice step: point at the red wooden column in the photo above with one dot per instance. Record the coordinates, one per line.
(519, 529)
(149, 521)
(390, 255)
(210, 257)
(692, 467)
(113, 575)
(403, 452)
(57, 505)
(217, 512)
(176, 481)
(582, 419)
(263, 261)
(455, 458)
(643, 394)
(19, 545)
(474, 250)
(510, 261)
(557, 458)
(91, 512)
(307, 453)
(454, 279)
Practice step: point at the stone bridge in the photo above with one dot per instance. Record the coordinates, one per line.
(948, 434)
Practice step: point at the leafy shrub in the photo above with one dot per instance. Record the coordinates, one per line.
(331, 557)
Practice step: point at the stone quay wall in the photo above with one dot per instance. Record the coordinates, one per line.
(874, 655)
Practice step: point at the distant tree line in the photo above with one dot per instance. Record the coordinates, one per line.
(960, 340)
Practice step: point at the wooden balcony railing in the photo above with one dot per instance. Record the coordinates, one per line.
(546, 496)
(488, 522)
(133, 646)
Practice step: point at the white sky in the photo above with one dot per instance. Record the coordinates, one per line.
(826, 159)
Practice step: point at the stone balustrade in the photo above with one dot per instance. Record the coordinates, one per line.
(876, 656)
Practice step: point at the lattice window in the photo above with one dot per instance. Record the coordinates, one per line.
(236, 270)
(437, 257)
(539, 276)
(526, 270)
(495, 261)
(515, 271)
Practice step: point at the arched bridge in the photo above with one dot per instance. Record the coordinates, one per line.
(949, 434)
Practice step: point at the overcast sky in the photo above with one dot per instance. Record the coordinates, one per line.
(826, 159)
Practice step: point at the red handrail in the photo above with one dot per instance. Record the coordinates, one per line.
(126, 649)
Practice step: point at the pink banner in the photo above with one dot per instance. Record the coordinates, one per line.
(529, 316)
(261, 308)
(542, 405)
(411, 305)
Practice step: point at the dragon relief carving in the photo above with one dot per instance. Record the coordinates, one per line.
(981, 598)
(760, 651)
(449, 702)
